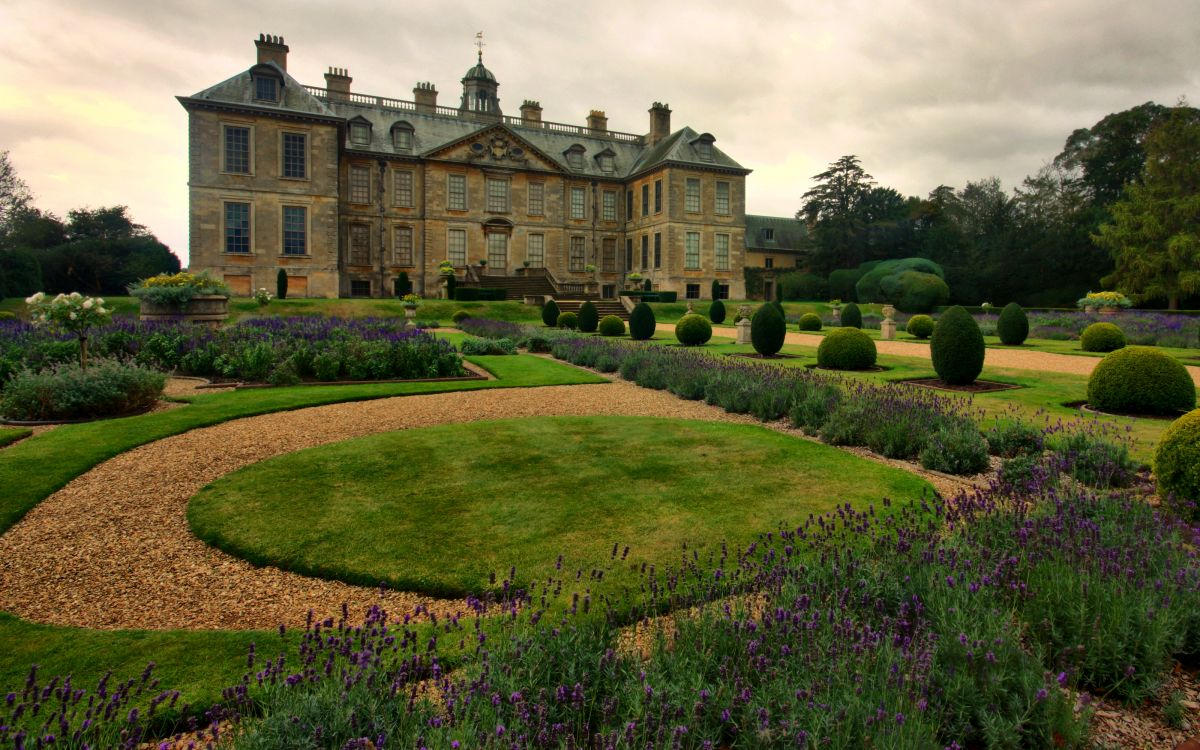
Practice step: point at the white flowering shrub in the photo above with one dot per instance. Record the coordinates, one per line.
(70, 313)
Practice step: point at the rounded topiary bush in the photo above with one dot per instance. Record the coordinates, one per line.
(1102, 337)
(956, 347)
(588, 317)
(1177, 462)
(460, 315)
(641, 322)
(767, 330)
(846, 349)
(810, 322)
(550, 313)
(920, 326)
(611, 325)
(716, 311)
(851, 316)
(1013, 325)
(693, 330)
(1141, 380)
(568, 320)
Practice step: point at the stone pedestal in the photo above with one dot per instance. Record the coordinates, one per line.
(887, 329)
(743, 331)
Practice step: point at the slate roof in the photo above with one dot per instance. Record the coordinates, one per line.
(239, 90)
(789, 235)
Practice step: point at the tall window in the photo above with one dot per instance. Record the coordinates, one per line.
(402, 246)
(456, 193)
(628, 205)
(237, 149)
(237, 227)
(691, 251)
(497, 250)
(535, 250)
(577, 259)
(295, 230)
(578, 203)
(456, 247)
(266, 89)
(402, 184)
(645, 251)
(295, 155)
(497, 196)
(657, 250)
(360, 184)
(360, 245)
(691, 196)
(721, 206)
(645, 199)
(657, 196)
(721, 251)
(609, 204)
(537, 198)
(629, 255)
(608, 259)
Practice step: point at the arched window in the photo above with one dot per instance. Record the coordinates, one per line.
(360, 131)
(402, 136)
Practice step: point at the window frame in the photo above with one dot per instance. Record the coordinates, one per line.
(768, 262)
(360, 281)
(283, 230)
(225, 128)
(645, 252)
(452, 232)
(503, 202)
(691, 198)
(658, 196)
(249, 228)
(657, 250)
(728, 198)
(488, 248)
(577, 209)
(397, 231)
(536, 205)
(645, 199)
(276, 88)
(538, 260)
(351, 246)
(629, 254)
(353, 188)
(628, 204)
(576, 253)
(691, 255)
(721, 262)
(608, 254)
(452, 179)
(575, 157)
(398, 191)
(691, 291)
(358, 126)
(283, 155)
(608, 203)
(406, 131)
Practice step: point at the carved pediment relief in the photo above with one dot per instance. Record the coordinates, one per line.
(498, 148)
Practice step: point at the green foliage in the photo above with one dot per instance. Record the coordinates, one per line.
(452, 293)
(767, 330)
(911, 284)
(474, 346)
(1177, 465)
(20, 273)
(1013, 325)
(842, 283)
(403, 285)
(642, 322)
(1011, 438)
(1141, 380)
(920, 326)
(1101, 337)
(846, 349)
(568, 320)
(648, 285)
(460, 315)
(957, 347)
(176, 290)
(802, 285)
(588, 317)
(851, 316)
(67, 392)
(715, 290)
(810, 322)
(716, 311)
(956, 448)
(611, 325)
(693, 330)
(1093, 459)
(281, 284)
(550, 313)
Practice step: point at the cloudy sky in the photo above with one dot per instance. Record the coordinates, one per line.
(925, 92)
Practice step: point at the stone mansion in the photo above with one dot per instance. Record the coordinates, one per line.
(345, 191)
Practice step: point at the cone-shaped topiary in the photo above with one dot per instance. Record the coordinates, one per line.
(1101, 337)
(588, 317)
(550, 313)
(779, 306)
(767, 330)
(1177, 464)
(716, 289)
(920, 326)
(1141, 380)
(403, 286)
(693, 330)
(568, 320)
(810, 322)
(611, 325)
(957, 347)
(716, 311)
(281, 284)
(1013, 325)
(846, 349)
(641, 322)
(851, 316)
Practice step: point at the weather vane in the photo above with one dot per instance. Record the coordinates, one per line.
(479, 44)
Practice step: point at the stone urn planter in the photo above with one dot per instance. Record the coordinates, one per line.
(207, 309)
(1109, 310)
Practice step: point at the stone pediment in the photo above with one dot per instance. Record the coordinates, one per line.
(496, 147)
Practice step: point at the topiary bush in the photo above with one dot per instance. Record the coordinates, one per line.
(550, 313)
(693, 330)
(920, 326)
(851, 316)
(809, 322)
(568, 320)
(588, 317)
(1013, 325)
(1177, 465)
(1141, 380)
(642, 322)
(460, 315)
(956, 347)
(611, 325)
(281, 284)
(914, 291)
(846, 349)
(1102, 337)
(716, 311)
(767, 330)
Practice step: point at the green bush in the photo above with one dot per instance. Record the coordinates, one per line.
(611, 325)
(6, 315)
(715, 289)
(642, 322)
(809, 322)
(911, 284)
(801, 285)
(767, 330)
(1013, 325)
(1141, 380)
(851, 316)
(550, 313)
(920, 326)
(1012, 438)
(846, 349)
(537, 343)
(65, 392)
(568, 320)
(460, 315)
(1177, 464)
(402, 286)
(477, 346)
(956, 448)
(956, 347)
(842, 283)
(693, 330)
(588, 317)
(716, 311)
(1102, 337)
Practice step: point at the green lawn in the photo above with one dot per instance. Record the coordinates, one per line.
(10, 435)
(437, 510)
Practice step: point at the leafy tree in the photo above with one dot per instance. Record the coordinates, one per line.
(831, 212)
(1110, 154)
(14, 193)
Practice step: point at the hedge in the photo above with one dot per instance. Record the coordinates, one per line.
(480, 294)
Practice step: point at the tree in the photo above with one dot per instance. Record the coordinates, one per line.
(1110, 154)
(1154, 236)
(831, 212)
(14, 193)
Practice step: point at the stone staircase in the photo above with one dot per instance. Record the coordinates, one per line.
(603, 306)
(518, 287)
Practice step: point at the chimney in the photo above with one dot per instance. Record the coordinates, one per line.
(271, 49)
(337, 83)
(597, 120)
(531, 112)
(660, 122)
(425, 96)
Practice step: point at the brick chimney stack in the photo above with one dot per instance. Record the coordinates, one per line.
(531, 112)
(597, 120)
(271, 49)
(660, 122)
(425, 96)
(337, 83)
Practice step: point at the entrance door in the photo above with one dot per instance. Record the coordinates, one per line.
(768, 290)
(497, 247)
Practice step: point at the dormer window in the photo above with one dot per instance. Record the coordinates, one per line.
(768, 233)
(266, 89)
(704, 147)
(575, 157)
(360, 132)
(402, 137)
(607, 164)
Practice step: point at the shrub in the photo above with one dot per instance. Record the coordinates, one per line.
(1008, 439)
(716, 311)
(767, 330)
(1102, 337)
(956, 347)
(452, 289)
(914, 291)
(1141, 380)
(956, 448)
(568, 320)
(537, 344)
(801, 285)
(1013, 325)
(611, 325)
(281, 284)
(175, 290)
(920, 326)
(642, 322)
(66, 391)
(1177, 463)
(460, 315)
(843, 281)
(810, 322)
(1093, 459)
(550, 313)
(715, 289)
(402, 285)
(693, 330)
(846, 349)
(477, 346)
(588, 317)
(851, 316)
